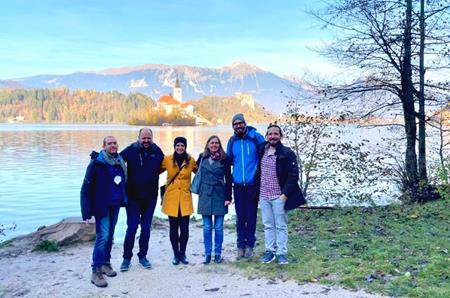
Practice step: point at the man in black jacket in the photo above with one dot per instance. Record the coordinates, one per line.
(278, 192)
(143, 160)
(102, 194)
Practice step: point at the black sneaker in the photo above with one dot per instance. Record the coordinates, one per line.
(218, 259)
(125, 266)
(207, 259)
(183, 259)
(267, 258)
(175, 261)
(145, 263)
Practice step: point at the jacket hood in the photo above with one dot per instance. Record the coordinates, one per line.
(138, 146)
(97, 157)
(251, 132)
(94, 154)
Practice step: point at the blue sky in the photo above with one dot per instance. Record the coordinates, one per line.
(62, 36)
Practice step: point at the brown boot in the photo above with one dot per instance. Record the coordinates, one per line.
(248, 252)
(97, 278)
(240, 253)
(108, 270)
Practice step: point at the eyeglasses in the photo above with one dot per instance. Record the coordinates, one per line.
(240, 123)
(111, 143)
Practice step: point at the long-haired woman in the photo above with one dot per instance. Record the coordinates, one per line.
(214, 195)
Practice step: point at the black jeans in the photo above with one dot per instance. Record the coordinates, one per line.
(179, 234)
(246, 204)
(138, 213)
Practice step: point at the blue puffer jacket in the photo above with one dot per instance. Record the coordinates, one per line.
(143, 166)
(244, 155)
(99, 191)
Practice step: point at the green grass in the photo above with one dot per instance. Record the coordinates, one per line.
(393, 250)
(47, 246)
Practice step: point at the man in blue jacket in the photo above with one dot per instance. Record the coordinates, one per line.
(102, 194)
(242, 149)
(143, 160)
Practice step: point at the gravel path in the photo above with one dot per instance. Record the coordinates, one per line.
(67, 274)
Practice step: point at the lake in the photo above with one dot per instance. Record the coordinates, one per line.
(43, 165)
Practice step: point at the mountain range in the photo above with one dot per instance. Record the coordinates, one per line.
(155, 80)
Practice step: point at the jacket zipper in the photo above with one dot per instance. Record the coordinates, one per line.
(242, 156)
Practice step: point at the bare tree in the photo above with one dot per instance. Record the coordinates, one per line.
(383, 42)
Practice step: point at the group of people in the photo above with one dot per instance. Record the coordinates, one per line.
(252, 169)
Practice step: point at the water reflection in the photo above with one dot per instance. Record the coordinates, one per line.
(42, 167)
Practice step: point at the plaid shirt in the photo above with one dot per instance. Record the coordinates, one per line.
(270, 188)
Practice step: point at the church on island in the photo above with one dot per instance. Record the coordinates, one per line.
(170, 103)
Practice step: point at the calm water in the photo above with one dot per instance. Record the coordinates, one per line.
(42, 167)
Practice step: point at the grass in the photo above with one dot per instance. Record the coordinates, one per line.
(47, 246)
(393, 250)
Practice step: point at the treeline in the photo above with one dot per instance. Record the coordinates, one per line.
(65, 106)
(61, 105)
(220, 110)
(158, 118)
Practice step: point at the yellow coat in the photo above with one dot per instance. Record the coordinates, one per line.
(178, 193)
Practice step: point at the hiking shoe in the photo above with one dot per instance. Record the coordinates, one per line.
(207, 259)
(267, 258)
(183, 259)
(145, 263)
(248, 252)
(240, 253)
(108, 270)
(218, 259)
(97, 278)
(125, 266)
(282, 260)
(175, 261)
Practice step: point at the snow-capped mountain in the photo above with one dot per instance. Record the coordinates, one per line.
(154, 80)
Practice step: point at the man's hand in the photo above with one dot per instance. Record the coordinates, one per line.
(227, 203)
(283, 197)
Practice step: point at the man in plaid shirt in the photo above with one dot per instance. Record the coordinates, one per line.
(278, 192)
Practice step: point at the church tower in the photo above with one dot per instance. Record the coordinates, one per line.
(177, 94)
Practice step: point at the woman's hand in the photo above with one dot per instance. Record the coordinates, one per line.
(227, 203)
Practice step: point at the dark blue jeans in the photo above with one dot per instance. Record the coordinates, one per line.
(218, 233)
(246, 204)
(104, 236)
(138, 213)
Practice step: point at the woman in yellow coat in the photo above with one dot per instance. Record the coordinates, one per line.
(177, 202)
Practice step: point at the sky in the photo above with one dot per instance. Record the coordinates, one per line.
(65, 36)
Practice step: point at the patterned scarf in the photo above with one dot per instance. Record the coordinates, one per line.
(114, 159)
(215, 155)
